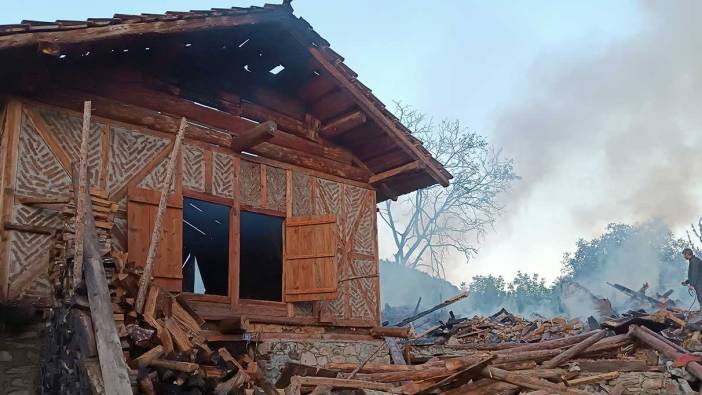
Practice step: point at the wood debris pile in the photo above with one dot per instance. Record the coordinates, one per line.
(639, 353)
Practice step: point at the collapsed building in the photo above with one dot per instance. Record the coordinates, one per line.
(271, 214)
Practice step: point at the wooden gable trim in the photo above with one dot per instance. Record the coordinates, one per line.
(379, 117)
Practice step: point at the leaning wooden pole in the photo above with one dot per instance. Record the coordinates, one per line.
(115, 375)
(145, 279)
(572, 352)
(80, 198)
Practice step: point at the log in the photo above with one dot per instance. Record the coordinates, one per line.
(659, 344)
(342, 124)
(572, 352)
(115, 375)
(593, 379)
(536, 355)
(441, 305)
(528, 382)
(186, 367)
(145, 279)
(384, 331)
(341, 383)
(254, 136)
(545, 345)
(146, 358)
(409, 375)
(380, 367)
(235, 324)
(38, 229)
(82, 196)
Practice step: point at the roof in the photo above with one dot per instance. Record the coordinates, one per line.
(315, 79)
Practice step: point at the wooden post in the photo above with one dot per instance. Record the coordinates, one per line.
(115, 375)
(145, 279)
(80, 202)
(662, 345)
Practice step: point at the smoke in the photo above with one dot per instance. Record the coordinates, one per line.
(622, 126)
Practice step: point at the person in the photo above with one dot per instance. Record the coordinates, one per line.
(694, 273)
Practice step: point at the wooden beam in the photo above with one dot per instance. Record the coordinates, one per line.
(44, 230)
(159, 121)
(387, 191)
(380, 118)
(254, 136)
(120, 30)
(10, 148)
(45, 133)
(80, 202)
(377, 178)
(114, 370)
(572, 352)
(342, 124)
(145, 279)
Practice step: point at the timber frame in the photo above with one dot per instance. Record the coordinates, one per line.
(307, 141)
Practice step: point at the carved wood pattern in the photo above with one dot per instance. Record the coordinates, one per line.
(193, 168)
(363, 297)
(222, 175)
(154, 180)
(29, 260)
(66, 129)
(363, 239)
(130, 151)
(250, 183)
(328, 202)
(39, 173)
(305, 309)
(277, 184)
(301, 194)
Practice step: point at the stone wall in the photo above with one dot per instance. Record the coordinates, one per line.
(20, 361)
(316, 353)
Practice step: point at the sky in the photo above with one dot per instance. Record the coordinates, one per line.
(583, 95)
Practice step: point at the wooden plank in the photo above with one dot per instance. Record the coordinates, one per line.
(80, 201)
(156, 235)
(593, 379)
(186, 367)
(180, 339)
(112, 365)
(10, 143)
(104, 164)
(380, 177)
(44, 230)
(66, 37)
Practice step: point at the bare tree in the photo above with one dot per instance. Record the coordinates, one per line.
(696, 245)
(428, 224)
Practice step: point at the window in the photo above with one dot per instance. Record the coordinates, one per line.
(261, 259)
(205, 247)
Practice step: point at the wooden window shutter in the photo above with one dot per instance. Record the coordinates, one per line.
(310, 267)
(142, 206)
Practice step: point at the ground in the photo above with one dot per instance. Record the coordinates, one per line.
(20, 372)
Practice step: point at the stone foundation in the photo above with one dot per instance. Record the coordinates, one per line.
(275, 354)
(20, 361)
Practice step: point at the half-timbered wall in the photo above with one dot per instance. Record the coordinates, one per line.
(120, 156)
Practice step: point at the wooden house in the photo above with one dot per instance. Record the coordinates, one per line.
(275, 220)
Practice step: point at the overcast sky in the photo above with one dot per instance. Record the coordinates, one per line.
(543, 79)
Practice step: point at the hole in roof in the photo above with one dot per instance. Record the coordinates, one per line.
(87, 53)
(316, 72)
(246, 67)
(188, 44)
(244, 42)
(260, 54)
(147, 49)
(62, 56)
(249, 154)
(125, 50)
(277, 69)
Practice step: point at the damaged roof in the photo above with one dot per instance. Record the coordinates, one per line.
(249, 52)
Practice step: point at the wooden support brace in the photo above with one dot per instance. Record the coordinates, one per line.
(570, 353)
(145, 279)
(374, 179)
(342, 124)
(82, 195)
(254, 136)
(114, 370)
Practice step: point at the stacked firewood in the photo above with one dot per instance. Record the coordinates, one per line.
(104, 213)
(166, 347)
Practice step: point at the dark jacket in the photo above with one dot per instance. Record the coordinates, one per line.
(694, 272)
